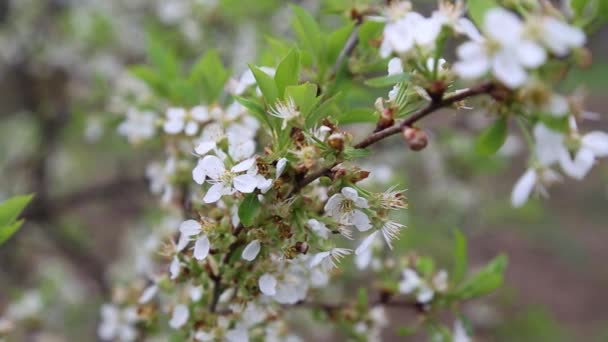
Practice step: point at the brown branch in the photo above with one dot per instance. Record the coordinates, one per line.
(483, 88)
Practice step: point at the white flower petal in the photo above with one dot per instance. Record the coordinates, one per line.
(281, 164)
(190, 227)
(580, 166)
(503, 26)
(597, 142)
(201, 248)
(214, 193)
(148, 294)
(198, 173)
(366, 243)
(251, 250)
(318, 259)
(395, 66)
(173, 126)
(361, 221)
(530, 54)
(175, 268)
(245, 183)
(244, 165)
(523, 188)
(204, 147)
(268, 284)
(213, 167)
(191, 128)
(179, 317)
(349, 193)
(507, 70)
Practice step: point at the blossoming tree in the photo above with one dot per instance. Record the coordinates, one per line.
(259, 184)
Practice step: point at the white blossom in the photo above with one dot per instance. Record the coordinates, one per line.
(138, 125)
(117, 323)
(187, 121)
(285, 110)
(534, 178)
(329, 259)
(345, 207)
(226, 182)
(506, 51)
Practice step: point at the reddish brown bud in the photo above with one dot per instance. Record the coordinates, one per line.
(359, 176)
(302, 247)
(386, 119)
(415, 138)
(436, 90)
(336, 141)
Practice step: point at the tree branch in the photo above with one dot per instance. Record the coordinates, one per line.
(483, 88)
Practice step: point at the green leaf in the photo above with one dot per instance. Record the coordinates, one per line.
(304, 95)
(370, 31)
(478, 9)
(184, 93)
(266, 84)
(485, 281)
(357, 115)
(210, 74)
(556, 124)
(493, 138)
(151, 78)
(578, 6)
(162, 59)
(336, 42)
(362, 299)
(249, 209)
(387, 81)
(7, 231)
(323, 110)
(288, 72)
(425, 266)
(460, 257)
(12, 208)
(256, 109)
(308, 32)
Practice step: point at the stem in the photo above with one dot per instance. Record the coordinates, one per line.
(483, 88)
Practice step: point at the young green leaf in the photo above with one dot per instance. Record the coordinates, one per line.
(304, 95)
(256, 110)
(478, 9)
(357, 115)
(249, 209)
(12, 208)
(493, 138)
(163, 59)
(288, 72)
(307, 31)
(485, 281)
(460, 257)
(266, 84)
(387, 81)
(151, 78)
(210, 75)
(336, 41)
(7, 231)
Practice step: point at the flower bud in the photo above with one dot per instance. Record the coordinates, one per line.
(415, 138)
(336, 141)
(302, 247)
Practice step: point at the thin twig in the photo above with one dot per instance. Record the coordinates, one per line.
(483, 88)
